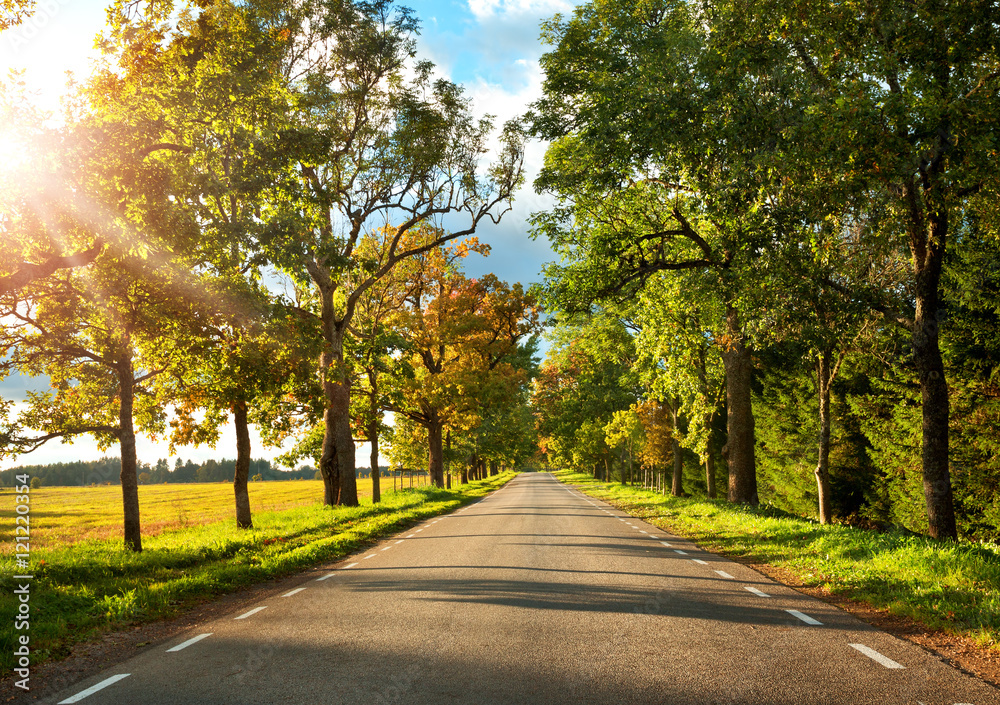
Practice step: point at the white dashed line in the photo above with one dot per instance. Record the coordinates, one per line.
(804, 617)
(699, 562)
(876, 656)
(643, 532)
(349, 565)
(94, 688)
(188, 643)
(418, 531)
(756, 592)
(296, 591)
(387, 548)
(399, 542)
(370, 555)
(325, 577)
(664, 543)
(254, 611)
(411, 536)
(725, 575)
(680, 552)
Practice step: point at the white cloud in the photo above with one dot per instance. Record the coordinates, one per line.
(484, 10)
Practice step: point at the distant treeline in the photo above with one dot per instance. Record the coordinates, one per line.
(107, 471)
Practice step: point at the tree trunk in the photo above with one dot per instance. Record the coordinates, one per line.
(243, 518)
(739, 372)
(448, 446)
(465, 471)
(928, 256)
(677, 484)
(126, 439)
(376, 473)
(823, 380)
(435, 451)
(337, 460)
(710, 474)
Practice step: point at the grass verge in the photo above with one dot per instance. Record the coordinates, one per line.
(92, 587)
(954, 587)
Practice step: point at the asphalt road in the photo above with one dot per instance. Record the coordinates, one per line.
(536, 594)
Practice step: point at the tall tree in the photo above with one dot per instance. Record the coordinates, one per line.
(368, 148)
(464, 337)
(905, 97)
(205, 93)
(660, 162)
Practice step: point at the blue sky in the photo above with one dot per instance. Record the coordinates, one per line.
(491, 47)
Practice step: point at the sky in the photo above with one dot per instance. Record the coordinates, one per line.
(490, 47)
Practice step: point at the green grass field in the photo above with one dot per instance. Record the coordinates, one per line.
(942, 585)
(86, 584)
(64, 515)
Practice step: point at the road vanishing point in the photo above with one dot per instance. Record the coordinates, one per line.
(536, 594)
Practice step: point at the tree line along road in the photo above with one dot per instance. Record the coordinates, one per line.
(536, 594)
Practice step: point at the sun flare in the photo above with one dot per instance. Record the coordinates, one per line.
(13, 152)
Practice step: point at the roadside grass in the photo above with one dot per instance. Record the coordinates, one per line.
(83, 589)
(954, 587)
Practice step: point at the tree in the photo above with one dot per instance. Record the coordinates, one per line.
(902, 98)
(660, 162)
(205, 94)
(90, 331)
(365, 148)
(583, 381)
(14, 12)
(377, 347)
(463, 335)
(625, 430)
(41, 192)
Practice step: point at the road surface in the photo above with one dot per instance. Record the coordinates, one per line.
(536, 594)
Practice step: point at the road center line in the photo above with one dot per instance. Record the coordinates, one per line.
(411, 536)
(664, 543)
(643, 532)
(756, 592)
(399, 542)
(804, 617)
(188, 643)
(699, 561)
(680, 552)
(725, 575)
(296, 591)
(418, 531)
(349, 565)
(254, 611)
(94, 688)
(387, 548)
(876, 656)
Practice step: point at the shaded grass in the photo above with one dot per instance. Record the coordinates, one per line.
(93, 586)
(954, 587)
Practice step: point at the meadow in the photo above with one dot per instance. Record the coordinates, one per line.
(64, 515)
(951, 586)
(85, 584)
